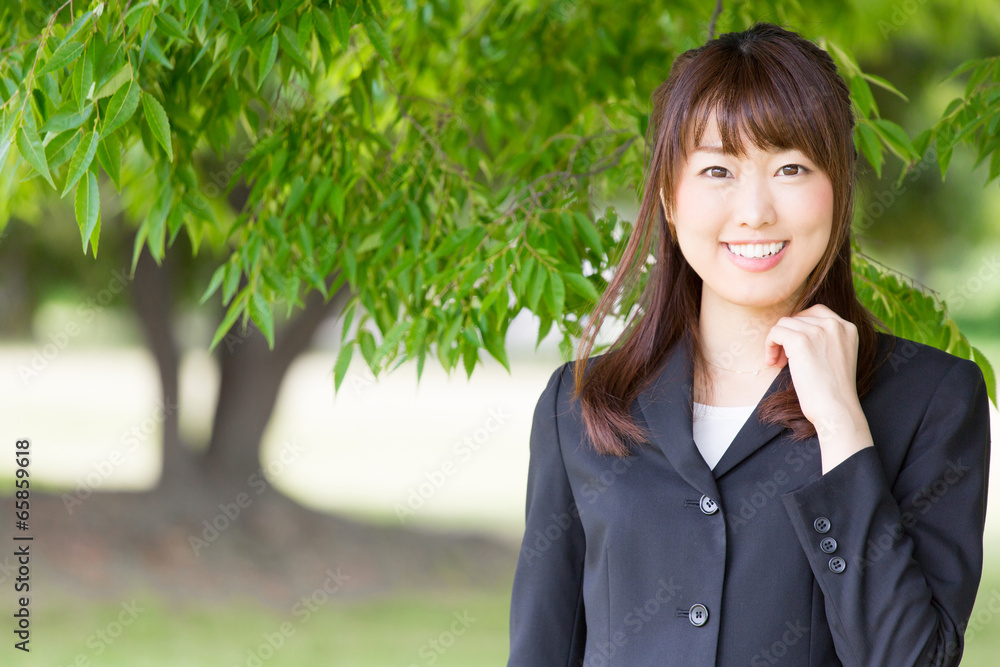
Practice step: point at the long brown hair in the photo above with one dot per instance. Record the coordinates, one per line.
(781, 91)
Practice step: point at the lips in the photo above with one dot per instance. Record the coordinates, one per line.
(756, 265)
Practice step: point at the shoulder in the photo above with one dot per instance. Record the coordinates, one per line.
(558, 390)
(910, 366)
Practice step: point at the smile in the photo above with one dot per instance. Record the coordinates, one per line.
(756, 257)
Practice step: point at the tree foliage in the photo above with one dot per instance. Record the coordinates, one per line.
(446, 159)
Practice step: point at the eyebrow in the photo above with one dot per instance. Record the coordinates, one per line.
(717, 149)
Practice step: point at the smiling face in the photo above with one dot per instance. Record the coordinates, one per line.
(776, 195)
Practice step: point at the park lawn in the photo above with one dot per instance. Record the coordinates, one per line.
(458, 628)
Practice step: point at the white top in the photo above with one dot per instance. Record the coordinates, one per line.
(715, 427)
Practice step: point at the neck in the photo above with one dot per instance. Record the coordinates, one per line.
(732, 336)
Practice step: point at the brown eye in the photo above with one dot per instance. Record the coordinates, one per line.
(801, 169)
(719, 168)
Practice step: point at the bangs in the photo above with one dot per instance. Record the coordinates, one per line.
(763, 103)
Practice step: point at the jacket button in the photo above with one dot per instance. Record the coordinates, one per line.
(708, 506)
(698, 614)
(828, 545)
(822, 524)
(837, 564)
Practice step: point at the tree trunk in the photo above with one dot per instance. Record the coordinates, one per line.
(251, 377)
(152, 297)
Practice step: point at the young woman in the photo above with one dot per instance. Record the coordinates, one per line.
(752, 474)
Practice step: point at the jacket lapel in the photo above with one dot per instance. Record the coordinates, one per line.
(666, 405)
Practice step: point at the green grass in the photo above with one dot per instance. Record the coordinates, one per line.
(393, 632)
(406, 630)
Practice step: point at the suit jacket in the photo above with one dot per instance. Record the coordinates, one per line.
(657, 559)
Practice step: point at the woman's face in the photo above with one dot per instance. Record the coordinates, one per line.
(766, 196)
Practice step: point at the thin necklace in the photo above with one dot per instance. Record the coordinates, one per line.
(735, 371)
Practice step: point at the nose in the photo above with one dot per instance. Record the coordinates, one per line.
(752, 201)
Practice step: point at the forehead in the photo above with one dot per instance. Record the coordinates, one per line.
(711, 143)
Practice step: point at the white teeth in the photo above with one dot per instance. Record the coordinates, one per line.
(756, 250)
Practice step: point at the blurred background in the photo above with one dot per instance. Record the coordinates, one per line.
(356, 538)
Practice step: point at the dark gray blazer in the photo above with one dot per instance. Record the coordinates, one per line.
(659, 560)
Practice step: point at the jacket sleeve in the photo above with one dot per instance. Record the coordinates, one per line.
(910, 555)
(547, 624)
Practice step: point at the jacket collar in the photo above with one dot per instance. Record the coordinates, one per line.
(666, 405)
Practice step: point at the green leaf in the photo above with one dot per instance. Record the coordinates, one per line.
(342, 364)
(32, 151)
(895, 138)
(230, 283)
(863, 96)
(922, 141)
(962, 68)
(305, 30)
(582, 286)
(228, 321)
(555, 296)
(870, 146)
(158, 122)
(267, 57)
(537, 286)
(290, 45)
(944, 145)
(323, 26)
(61, 148)
(81, 160)
(378, 38)
(342, 26)
(88, 207)
(849, 64)
(67, 53)
(78, 24)
(494, 344)
(109, 154)
(121, 107)
(590, 234)
(879, 81)
(156, 222)
(83, 78)
(214, 283)
(171, 27)
(262, 315)
(287, 7)
(115, 82)
(66, 120)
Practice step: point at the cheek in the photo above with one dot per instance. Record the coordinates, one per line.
(696, 207)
